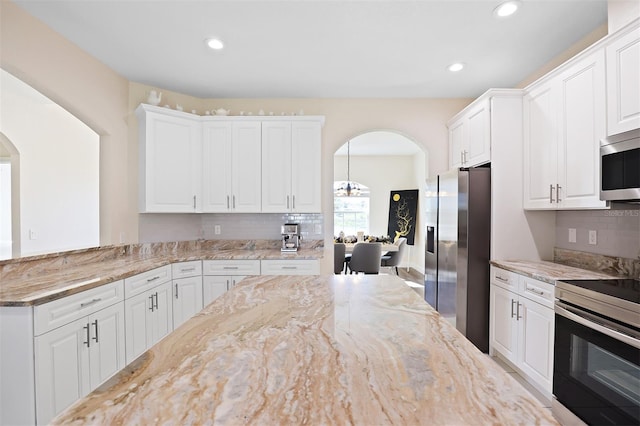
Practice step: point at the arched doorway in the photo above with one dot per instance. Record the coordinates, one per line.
(383, 161)
(9, 199)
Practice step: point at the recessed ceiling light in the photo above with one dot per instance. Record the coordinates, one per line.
(214, 43)
(455, 67)
(505, 9)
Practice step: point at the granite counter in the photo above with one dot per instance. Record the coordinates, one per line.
(549, 272)
(26, 286)
(337, 349)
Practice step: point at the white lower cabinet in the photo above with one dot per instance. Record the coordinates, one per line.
(187, 290)
(522, 325)
(73, 358)
(222, 275)
(290, 267)
(214, 286)
(148, 318)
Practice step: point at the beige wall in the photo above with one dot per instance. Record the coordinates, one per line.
(621, 12)
(86, 88)
(105, 101)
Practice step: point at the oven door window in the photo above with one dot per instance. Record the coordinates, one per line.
(596, 376)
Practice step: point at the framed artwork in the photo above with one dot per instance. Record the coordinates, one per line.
(403, 208)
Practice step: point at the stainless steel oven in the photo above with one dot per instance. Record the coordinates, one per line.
(620, 167)
(597, 351)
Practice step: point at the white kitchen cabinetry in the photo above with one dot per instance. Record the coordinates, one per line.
(564, 120)
(522, 325)
(170, 161)
(231, 166)
(290, 267)
(74, 359)
(78, 343)
(470, 136)
(291, 153)
(623, 83)
(148, 310)
(187, 290)
(220, 276)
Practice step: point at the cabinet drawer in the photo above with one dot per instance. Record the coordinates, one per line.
(186, 269)
(146, 280)
(538, 291)
(231, 267)
(63, 311)
(505, 279)
(290, 267)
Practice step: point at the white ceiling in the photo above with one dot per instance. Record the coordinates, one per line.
(321, 48)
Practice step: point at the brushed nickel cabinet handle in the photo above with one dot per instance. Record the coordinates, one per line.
(85, 304)
(550, 193)
(88, 342)
(234, 202)
(512, 313)
(176, 291)
(156, 300)
(518, 316)
(157, 277)
(151, 308)
(534, 291)
(228, 203)
(558, 187)
(504, 280)
(294, 202)
(194, 202)
(95, 324)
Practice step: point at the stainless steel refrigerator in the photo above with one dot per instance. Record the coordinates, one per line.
(457, 250)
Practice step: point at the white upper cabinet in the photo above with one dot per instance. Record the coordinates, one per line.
(564, 120)
(470, 136)
(231, 166)
(623, 82)
(170, 161)
(291, 167)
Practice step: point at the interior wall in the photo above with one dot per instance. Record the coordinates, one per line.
(421, 120)
(59, 175)
(89, 90)
(621, 12)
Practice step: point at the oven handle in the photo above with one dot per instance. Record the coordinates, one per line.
(585, 319)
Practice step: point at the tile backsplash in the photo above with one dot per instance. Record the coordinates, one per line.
(233, 226)
(617, 230)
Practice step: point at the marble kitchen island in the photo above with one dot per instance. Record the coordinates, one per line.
(363, 350)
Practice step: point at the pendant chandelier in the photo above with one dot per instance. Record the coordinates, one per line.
(348, 188)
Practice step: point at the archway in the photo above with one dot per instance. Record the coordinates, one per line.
(9, 199)
(385, 161)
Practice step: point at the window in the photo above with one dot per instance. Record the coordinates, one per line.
(350, 213)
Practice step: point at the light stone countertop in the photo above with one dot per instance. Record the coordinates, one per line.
(26, 288)
(335, 349)
(549, 272)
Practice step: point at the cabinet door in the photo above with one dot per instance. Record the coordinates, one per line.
(216, 167)
(582, 125)
(187, 299)
(107, 350)
(306, 153)
(503, 323)
(162, 315)
(246, 165)
(276, 167)
(623, 84)
(137, 314)
(456, 144)
(535, 342)
(214, 286)
(478, 124)
(170, 164)
(61, 368)
(540, 147)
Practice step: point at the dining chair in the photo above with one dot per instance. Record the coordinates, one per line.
(339, 251)
(365, 258)
(393, 258)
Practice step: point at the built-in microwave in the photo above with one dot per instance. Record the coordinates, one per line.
(620, 167)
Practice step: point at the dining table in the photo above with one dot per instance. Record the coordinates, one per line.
(386, 247)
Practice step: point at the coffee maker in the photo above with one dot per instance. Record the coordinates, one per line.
(290, 236)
